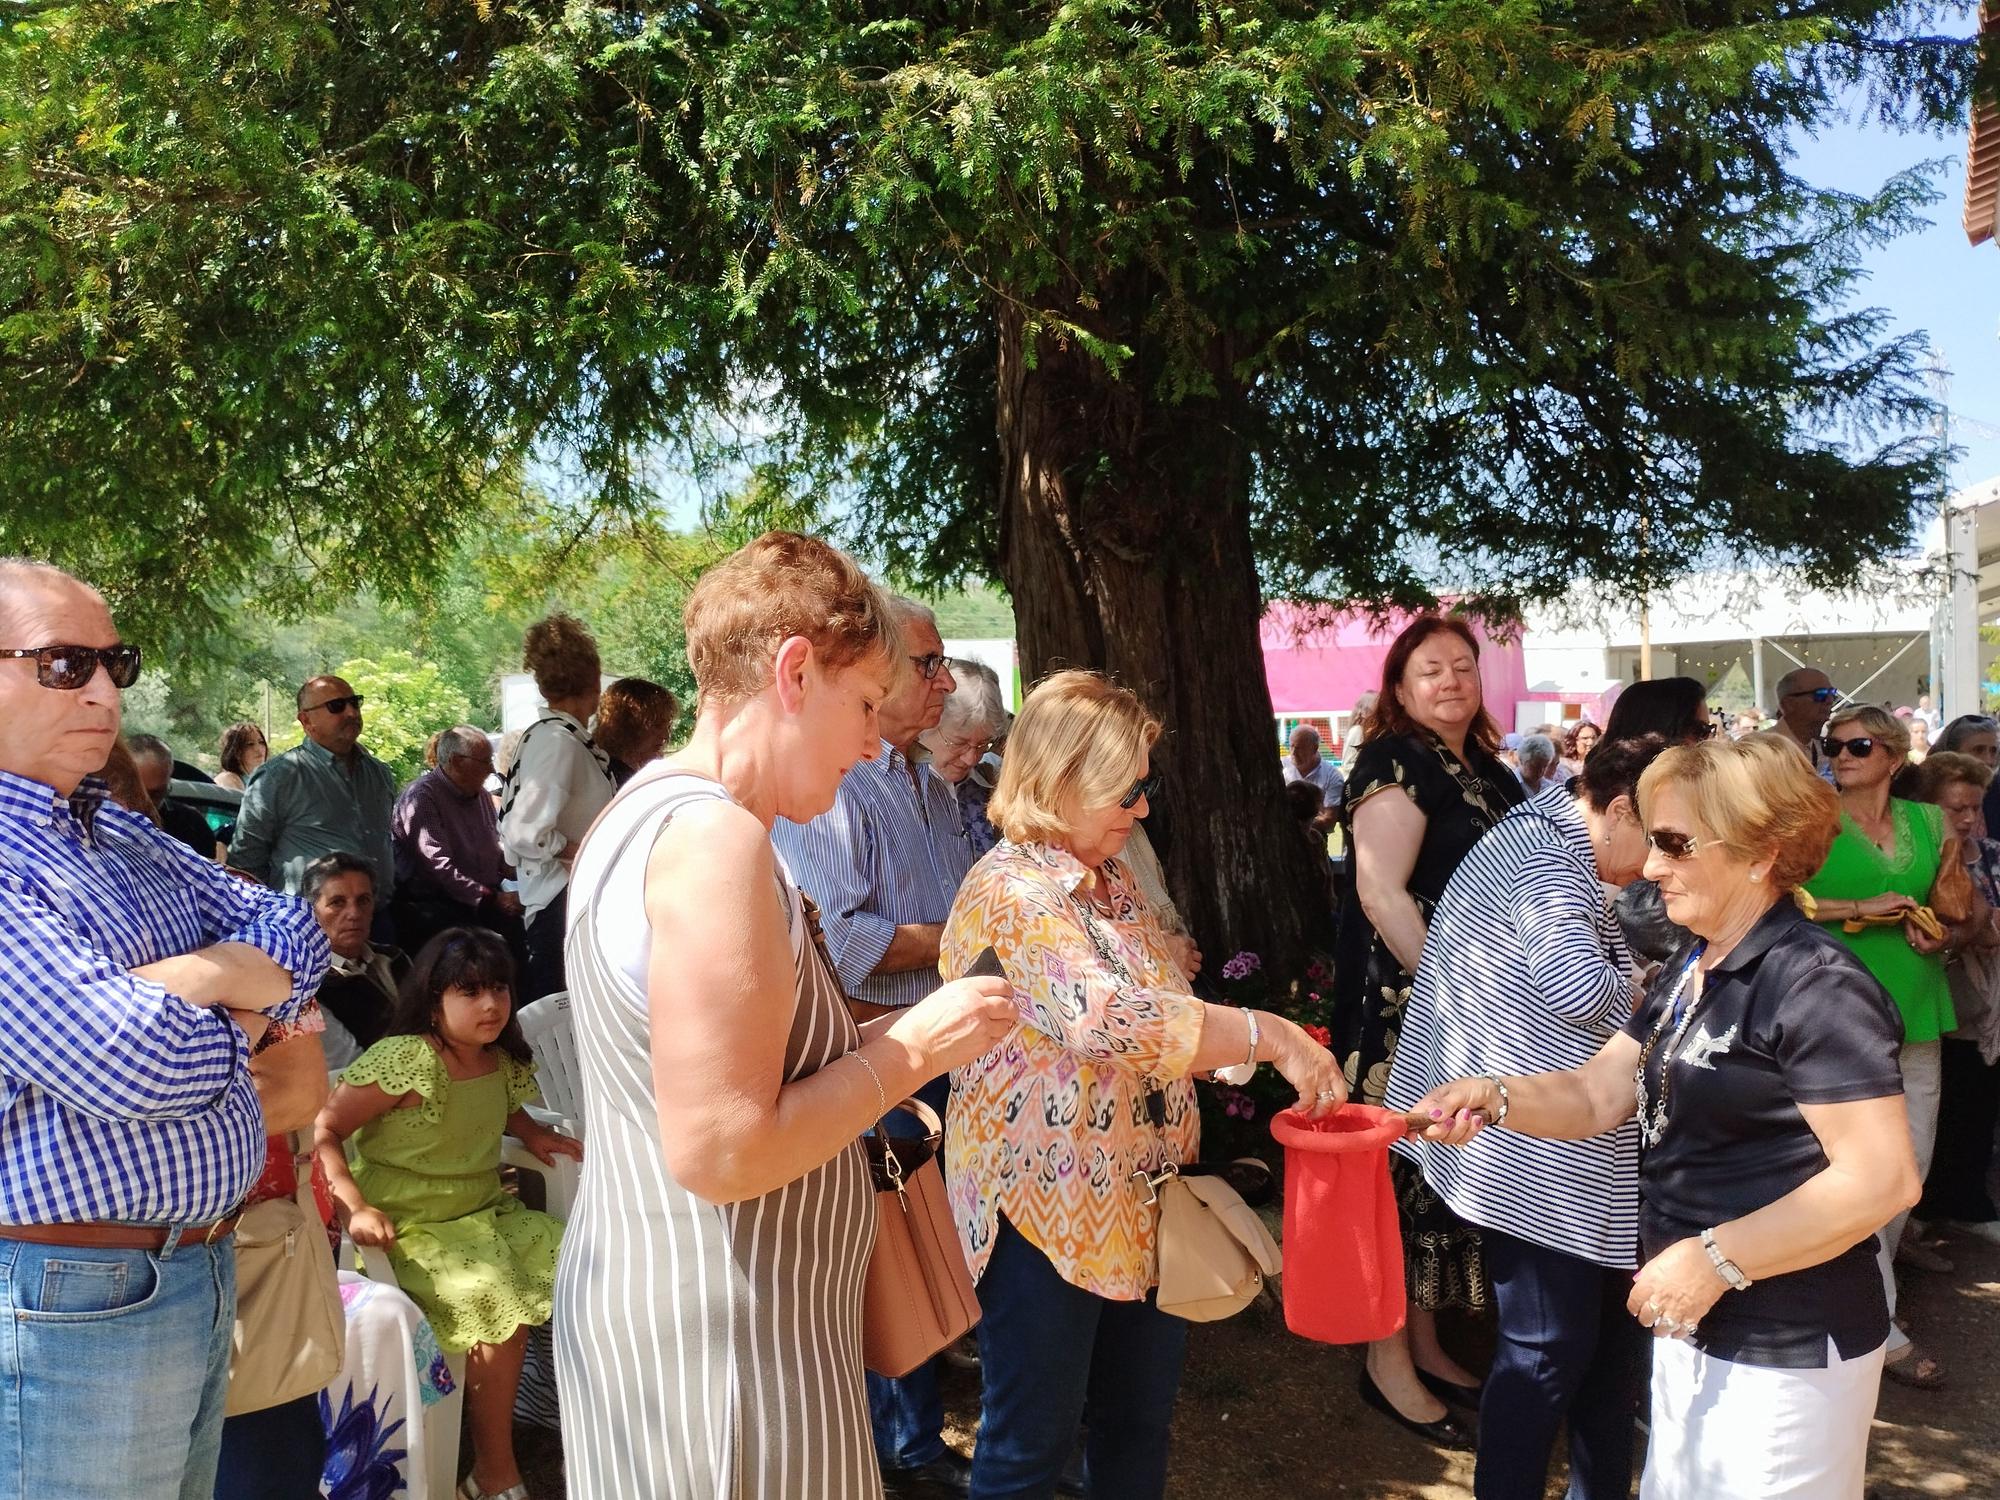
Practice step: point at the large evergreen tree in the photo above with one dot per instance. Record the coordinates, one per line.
(1148, 310)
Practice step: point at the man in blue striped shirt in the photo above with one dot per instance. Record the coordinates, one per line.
(134, 978)
(883, 865)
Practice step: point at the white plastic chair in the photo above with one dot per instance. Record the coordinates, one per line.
(546, 1025)
(433, 1446)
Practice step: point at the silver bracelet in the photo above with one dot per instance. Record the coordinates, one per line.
(1256, 1035)
(1501, 1084)
(881, 1098)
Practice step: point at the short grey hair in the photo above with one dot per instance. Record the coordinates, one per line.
(459, 740)
(1308, 732)
(148, 747)
(908, 609)
(976, 701)
(1538, 750)
(323, 869)
(1788, 684)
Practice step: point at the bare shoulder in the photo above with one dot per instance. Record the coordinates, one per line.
(716, 841)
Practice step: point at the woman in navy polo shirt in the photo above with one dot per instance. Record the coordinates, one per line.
(1763, 1068)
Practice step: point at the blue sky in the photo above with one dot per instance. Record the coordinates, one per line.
(1936, 282)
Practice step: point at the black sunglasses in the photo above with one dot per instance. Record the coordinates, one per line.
(1146, 786)
(1860, 747)
(336, 706)
(1818, 695)
(929, 666)
(1703, 731)
(68, 668)
(1673, 845)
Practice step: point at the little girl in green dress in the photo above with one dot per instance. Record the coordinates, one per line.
(426, 1107)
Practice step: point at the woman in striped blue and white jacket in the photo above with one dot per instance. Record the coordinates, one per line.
(1526, 971)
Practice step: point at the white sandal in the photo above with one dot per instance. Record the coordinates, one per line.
(469, 1489)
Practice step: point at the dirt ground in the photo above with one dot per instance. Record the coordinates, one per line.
(1267, 1416)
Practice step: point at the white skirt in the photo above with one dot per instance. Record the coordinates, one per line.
(1724, 1431)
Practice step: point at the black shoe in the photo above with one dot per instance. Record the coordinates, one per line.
(946, 1475)
(1447, 1432)
(1464, 1397)
(1070, 1481)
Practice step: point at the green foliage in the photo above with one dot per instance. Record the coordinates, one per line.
(289, 292)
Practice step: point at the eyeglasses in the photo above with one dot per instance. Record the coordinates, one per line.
(1860, 747)
(336, 706)
(69, 668)
(1818, 695)
(975, 748)
(1703, 731)
(928, 666)
(1674, 845)
(1146, 786)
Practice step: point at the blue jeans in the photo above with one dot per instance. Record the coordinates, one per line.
(1053, 1355)
(908, 1414)
(113, 1369)
(1568, 1352)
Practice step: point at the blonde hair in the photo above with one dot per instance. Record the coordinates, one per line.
(1757, 798)
(1080, 741)
(562, 656)
(1877, 723)
(782, 585)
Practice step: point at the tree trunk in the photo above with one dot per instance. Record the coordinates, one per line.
(1125, 543)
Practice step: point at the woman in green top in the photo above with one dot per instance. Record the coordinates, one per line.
(1885, 860)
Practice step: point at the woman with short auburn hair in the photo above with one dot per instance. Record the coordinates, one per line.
(1425, 788)
(1052, 1134)
(708, 1299)
(556, 784)
(635, 718)
(1762, 1068)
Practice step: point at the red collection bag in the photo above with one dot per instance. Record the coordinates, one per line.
(1343, 1250)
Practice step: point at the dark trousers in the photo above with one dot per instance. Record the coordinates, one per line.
(544, 973)
(274, 1454)
(1968, 1113)
(1052, 1355)
(908, 1414)
(1568, 1351)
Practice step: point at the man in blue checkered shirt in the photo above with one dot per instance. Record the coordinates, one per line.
(135, 976)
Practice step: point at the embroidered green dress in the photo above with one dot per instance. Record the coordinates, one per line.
(469, 1254)
(1856, 869)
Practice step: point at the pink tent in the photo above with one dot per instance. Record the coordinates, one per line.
(1321, 668)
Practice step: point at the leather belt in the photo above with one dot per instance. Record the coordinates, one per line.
(116, 1236)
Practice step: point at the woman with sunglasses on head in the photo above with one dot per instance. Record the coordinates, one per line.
(1762, 1065)
(1049, 1129)
(1884, 864)
(1676, 709)
(1425, 787)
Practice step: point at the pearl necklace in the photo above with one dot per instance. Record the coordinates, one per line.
(1653, 1117)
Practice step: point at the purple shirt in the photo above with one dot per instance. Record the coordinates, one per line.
(447, 844)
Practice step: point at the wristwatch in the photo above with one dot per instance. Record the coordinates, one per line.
(1726, 1268)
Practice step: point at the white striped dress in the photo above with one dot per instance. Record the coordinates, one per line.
(1525, 971)
(703, 1350)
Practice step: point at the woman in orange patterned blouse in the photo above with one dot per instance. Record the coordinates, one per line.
(1047, 1132)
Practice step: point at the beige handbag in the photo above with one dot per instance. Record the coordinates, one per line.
(918, 1298)
(1214, 1250)
(291, 1330)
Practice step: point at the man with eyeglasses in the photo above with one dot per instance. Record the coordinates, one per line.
(883, 865)
(1806, 698)
(326, 796)
(135, 977)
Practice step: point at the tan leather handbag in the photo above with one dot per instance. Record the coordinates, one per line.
(291, 1329)
(918, 1299)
